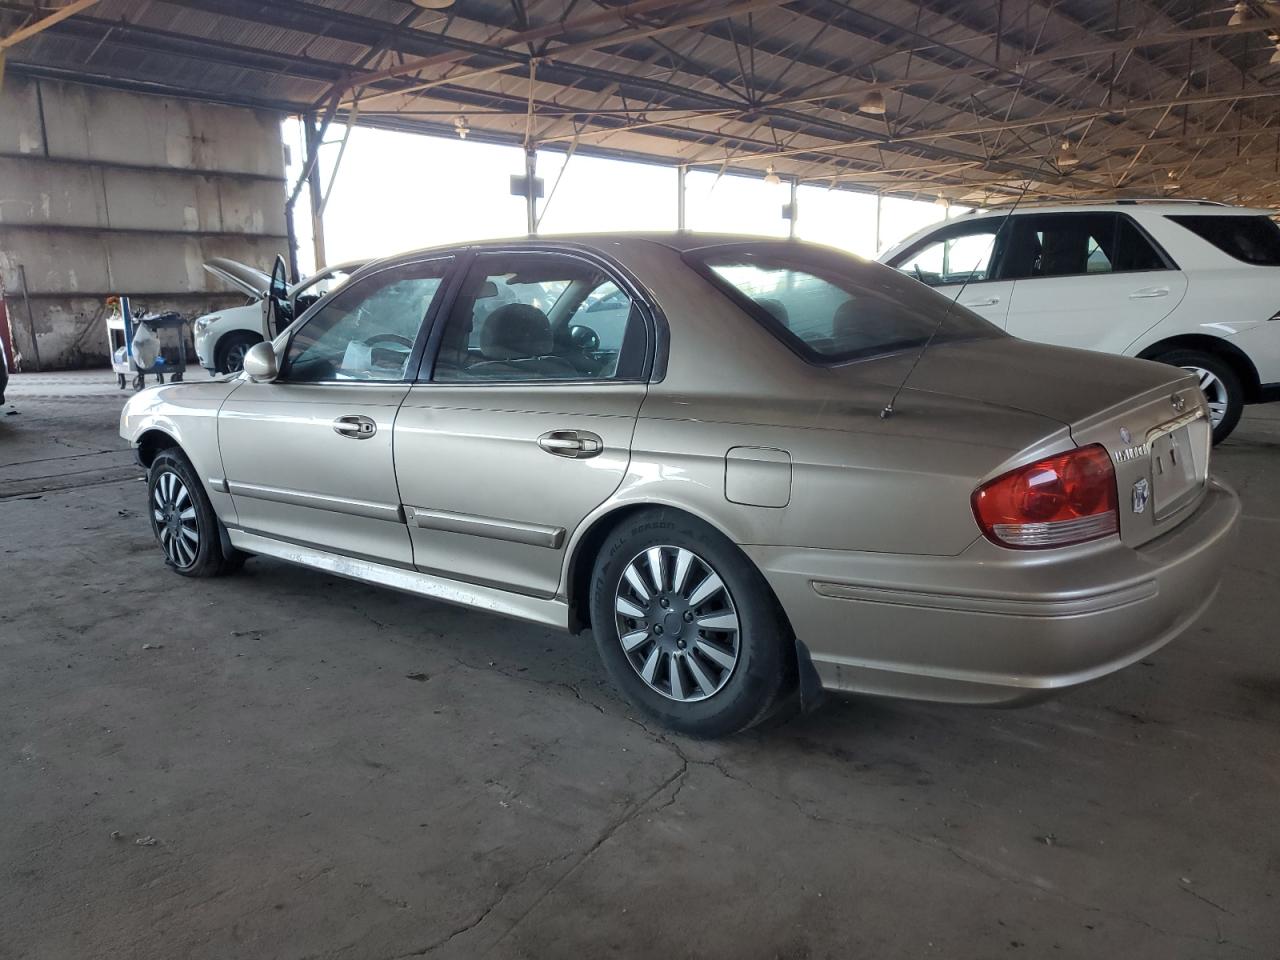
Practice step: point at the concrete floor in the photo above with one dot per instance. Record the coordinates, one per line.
(280, 764)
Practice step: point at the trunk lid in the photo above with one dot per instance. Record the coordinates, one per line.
(1150, 417)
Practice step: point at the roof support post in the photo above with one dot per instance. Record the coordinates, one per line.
(314, 135)
(680, 193)
(531, 194)
(793, 210)
(879, 212)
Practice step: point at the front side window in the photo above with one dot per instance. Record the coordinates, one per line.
(831, 307)
(321, 285)
(367, 330)
(963, 255)
(1075, 244)
(539, 316)
(1253, 239)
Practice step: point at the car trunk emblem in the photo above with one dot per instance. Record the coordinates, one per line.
(1178, 403)
(1125, 436)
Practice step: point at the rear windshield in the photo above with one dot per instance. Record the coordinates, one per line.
(831, 307)
(1254, 240)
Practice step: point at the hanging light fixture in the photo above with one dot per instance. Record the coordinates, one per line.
(873, 104)
(941, 201)
(771, 175)
(461, 127)
(433, 4)
(1275, 54)
(1240, 14)
(1067, 156)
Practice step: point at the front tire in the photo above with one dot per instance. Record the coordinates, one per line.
(1219, 383)
(229, 356)
(687, 626)
(183, 520)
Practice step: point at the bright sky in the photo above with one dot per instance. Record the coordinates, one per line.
(399, 191)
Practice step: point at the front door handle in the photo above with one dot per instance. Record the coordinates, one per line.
(574, 444)
(355, 427)
(1147, 293)
(989, 302)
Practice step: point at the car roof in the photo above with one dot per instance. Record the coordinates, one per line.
(611, 244)
(1159, 207)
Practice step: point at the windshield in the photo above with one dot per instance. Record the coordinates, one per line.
(831, 307)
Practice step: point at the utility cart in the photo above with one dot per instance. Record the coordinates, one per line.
(122, 325)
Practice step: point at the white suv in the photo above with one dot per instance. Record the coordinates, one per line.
(224, 337)
(1191, 283)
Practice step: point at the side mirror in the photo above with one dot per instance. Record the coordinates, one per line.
(260, 364)
(279, 309)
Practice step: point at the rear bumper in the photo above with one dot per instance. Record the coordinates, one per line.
(996, 626)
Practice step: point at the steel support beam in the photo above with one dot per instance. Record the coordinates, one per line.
(530, 193)
(314, 136)
(681, 171)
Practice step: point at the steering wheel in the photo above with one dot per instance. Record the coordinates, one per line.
(919, 275)
(584, 339)
(389, 338)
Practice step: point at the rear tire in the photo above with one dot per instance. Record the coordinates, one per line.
(229, 356)
(1220, 384)
(183, 520)
(701, 644)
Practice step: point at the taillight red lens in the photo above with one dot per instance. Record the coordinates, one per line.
(1063, 499)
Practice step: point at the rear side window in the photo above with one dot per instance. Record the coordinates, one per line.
(1253, 240)
(830, 307)
(1074, 244)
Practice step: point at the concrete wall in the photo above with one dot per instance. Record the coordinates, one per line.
(104, 192)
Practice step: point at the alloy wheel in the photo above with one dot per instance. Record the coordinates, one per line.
(174, 513)
(1214, 390)
(677, 623)
(235, 357)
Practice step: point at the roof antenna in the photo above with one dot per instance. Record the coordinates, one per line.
(888, 409)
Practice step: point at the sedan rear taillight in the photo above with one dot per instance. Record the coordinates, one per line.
(1063, 499)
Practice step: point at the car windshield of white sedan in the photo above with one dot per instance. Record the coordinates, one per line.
(832, 307)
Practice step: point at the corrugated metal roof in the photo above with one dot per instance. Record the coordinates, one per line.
(1153, 96)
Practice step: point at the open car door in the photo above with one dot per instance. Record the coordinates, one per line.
(277, 306)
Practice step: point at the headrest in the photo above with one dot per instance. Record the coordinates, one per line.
(515, 331)
(866, 322)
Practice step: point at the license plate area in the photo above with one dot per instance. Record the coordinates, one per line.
(1175, 474)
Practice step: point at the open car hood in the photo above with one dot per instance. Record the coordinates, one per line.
(249, 280)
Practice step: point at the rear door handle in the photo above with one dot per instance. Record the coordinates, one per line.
(574, 444)
(1147, 293)
(355, 427)
(989, 302)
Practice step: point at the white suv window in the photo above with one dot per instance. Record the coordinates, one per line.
(1253, 239)
(1076, 244)
(962, 254)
